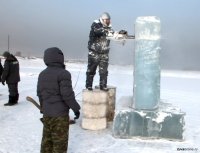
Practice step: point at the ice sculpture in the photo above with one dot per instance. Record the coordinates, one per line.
(147, 64)
(149, 118)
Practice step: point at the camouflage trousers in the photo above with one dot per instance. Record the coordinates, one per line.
(97, 59)
(55, 134)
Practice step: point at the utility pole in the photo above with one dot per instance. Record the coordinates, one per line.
(8, 43)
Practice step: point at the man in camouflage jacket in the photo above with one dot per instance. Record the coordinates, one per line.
(98, 46)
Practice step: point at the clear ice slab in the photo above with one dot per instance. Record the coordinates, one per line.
(166, 122)
(147, 63)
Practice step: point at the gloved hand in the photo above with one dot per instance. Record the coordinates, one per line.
(108, 30)
(111, 31)
(77, 114)
(105, 30)
(3, 82)
(124, 32)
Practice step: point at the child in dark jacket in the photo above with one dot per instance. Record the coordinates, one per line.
(56, 97)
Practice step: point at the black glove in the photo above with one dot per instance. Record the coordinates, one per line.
(3, 82)
(77, 114)
(111, 31)
(105, 31)
(124, 32)
(108, 30)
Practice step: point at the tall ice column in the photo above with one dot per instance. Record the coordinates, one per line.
(147, 63)
(150, 118)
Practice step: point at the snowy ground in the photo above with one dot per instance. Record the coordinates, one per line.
(21, 130)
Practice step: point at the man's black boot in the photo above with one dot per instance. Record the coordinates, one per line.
(104, 88)
(89, 81)
(15, 101)
(11, 101)
(103, 83)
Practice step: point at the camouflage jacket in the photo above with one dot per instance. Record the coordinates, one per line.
(97, 38)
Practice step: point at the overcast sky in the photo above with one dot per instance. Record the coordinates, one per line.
(34, 25)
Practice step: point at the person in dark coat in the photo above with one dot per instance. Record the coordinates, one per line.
(11, 76)
(1, 69)
(56, 97)
(98, 46)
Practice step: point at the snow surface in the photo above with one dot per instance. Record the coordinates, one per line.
(21, 129)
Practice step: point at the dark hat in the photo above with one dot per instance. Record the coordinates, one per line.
(6, 54)
(53, 55)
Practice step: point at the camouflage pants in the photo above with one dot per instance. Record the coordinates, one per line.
(55, 134)
(95, 60)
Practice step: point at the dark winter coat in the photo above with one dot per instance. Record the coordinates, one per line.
(11, 70)
(97, 38)
(1, 69)
(54, 87)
